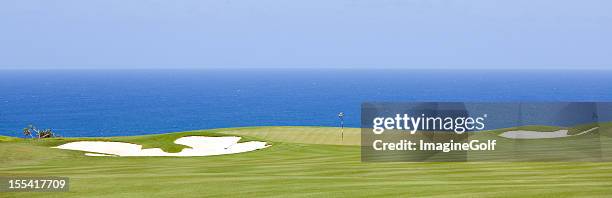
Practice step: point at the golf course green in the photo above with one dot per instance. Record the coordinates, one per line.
(302, 162)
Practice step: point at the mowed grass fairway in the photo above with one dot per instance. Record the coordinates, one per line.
(302, 162)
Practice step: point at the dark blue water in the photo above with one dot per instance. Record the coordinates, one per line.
(109, 103)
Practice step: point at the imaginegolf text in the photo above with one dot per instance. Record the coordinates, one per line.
(407, 145)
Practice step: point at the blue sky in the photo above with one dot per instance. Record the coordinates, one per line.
(524, 34)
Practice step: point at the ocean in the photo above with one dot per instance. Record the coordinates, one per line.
(135, 102)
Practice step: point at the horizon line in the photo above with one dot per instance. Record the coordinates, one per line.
(303, 68)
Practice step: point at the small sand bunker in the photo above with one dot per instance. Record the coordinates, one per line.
(200, 146)
(540, 135)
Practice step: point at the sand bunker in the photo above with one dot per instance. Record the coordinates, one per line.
(200, 146)
(540, 135)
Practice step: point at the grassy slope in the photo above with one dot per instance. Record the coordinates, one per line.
(539, 128)
(289, 168)
(306, 135)
(8, 139)
(571, 130)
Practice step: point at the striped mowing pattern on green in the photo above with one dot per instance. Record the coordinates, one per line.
(294, 170)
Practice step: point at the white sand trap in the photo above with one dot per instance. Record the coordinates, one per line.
(540, 135)
(200, 146)
(99, 155)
